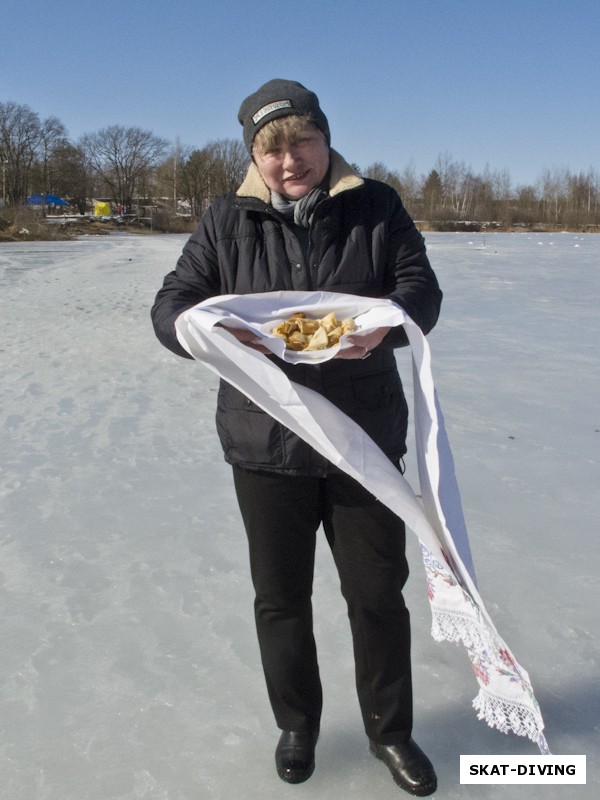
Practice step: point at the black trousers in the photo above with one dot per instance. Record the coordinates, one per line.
(281, 515)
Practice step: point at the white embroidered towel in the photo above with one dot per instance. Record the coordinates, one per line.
(505, 698)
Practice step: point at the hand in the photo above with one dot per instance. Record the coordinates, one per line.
(247, 338)
(363, 343)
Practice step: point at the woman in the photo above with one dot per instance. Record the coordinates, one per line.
(303, 220)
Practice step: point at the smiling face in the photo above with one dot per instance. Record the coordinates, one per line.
(292, 157)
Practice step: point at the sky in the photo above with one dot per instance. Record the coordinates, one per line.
(511, 85)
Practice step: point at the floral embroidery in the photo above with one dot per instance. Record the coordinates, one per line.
(435, 569)
(505, 700)
(480, 668)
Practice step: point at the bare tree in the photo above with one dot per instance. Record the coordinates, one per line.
(379, 172)
(194, 180)
(216, 169)
(72, 177)
(229, 161)
(466, 190)
(502, 194)
(20, 136)
(53, 134)
(527, 204)
(168, 174)
(122, 158)
(455, 180)
(553, 190)
(582, 199)
(410, 184)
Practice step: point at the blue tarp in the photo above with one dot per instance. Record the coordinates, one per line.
(51, 200)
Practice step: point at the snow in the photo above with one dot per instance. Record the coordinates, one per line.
(129, 663)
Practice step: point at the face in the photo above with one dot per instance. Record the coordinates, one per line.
(293, 168)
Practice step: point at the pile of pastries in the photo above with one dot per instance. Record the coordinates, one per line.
(305, 333)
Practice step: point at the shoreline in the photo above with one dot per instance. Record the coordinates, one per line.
(74, 231)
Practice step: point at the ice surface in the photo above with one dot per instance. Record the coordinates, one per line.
(129, 665)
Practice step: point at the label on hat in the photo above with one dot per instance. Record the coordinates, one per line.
(262, 112)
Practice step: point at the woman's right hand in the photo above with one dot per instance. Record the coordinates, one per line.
(247, 338)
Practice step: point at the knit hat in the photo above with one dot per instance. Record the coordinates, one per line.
(279, 98)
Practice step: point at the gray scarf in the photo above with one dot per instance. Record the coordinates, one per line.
(299, 211)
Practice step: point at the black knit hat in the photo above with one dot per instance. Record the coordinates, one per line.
(279, 98)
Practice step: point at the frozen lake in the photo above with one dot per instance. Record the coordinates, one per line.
(129, 664)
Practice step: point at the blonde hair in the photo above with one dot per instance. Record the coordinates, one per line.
(283, 129)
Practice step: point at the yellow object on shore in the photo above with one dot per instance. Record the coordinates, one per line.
(102, 209)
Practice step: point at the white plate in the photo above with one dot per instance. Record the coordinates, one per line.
(277, 344)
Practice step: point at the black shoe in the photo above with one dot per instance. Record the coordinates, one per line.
(410, 767)
(295, 755)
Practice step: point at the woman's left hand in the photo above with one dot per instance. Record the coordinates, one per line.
(363, 344)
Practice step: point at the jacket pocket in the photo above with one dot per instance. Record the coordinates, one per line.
(248, 435)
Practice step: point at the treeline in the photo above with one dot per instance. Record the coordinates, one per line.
(452, 195)
(128, 166)
(133, 168)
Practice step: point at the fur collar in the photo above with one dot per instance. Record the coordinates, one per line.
(343, 177)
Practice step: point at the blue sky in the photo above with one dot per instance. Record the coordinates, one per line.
(510, 84)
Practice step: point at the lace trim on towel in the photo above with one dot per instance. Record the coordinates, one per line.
(505, 700)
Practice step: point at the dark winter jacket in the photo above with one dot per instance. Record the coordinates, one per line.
(361, 241)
